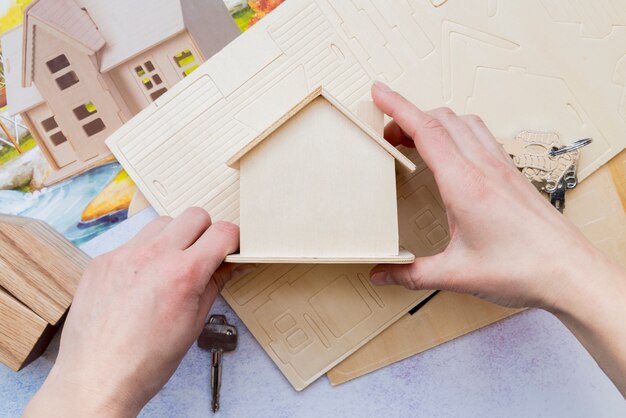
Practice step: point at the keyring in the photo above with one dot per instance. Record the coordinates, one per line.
(571, 147)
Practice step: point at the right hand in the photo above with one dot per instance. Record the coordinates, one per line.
(508, 244)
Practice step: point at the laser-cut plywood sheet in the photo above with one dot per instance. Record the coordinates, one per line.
(594, 206)
(539, 64)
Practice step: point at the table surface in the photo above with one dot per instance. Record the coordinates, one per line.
(527, 365)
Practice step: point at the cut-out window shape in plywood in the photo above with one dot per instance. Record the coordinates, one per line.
(51, 127)
(186, 61)
(58, 63)
(67, 80)
(84, 111)
(150, 78)
(94, 127)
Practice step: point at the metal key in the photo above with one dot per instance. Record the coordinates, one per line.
(217, 337)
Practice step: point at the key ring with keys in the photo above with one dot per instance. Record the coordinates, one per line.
(570, 147)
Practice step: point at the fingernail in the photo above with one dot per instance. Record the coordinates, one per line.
(380, 278)
(381, 86)
(242, 270)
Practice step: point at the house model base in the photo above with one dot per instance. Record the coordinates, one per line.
(403, 257)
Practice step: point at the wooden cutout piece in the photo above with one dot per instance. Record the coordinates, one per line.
(594, 206)
(334, 197)
(447, 316)
(39, 266)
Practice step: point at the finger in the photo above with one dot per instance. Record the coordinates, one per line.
(423, 273)
(464, 138)
(221, 239)
(225, 273)
(186, 228)
(151, 230)
(486, 138)
(396, 136)
(432, 141)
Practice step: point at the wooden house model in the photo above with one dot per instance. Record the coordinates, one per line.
(78, 69)
(319, 186)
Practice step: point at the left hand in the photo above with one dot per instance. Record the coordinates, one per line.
(136, 312)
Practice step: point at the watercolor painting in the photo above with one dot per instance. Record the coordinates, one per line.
(79, 202)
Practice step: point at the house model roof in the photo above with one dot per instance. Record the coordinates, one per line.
(117, 30)
(19, 98)
(400, 158)
(131, 27)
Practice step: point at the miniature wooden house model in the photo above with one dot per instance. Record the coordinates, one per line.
(319, 186)
(79, 69)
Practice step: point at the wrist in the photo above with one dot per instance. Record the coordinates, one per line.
(588, 280)
(65, 395)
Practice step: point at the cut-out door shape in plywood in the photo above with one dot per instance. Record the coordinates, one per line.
(319, 186)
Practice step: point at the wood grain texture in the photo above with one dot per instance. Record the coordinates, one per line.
(39, 267)
(618, 172)
(23, 334)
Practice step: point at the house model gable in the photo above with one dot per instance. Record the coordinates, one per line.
(319, 186)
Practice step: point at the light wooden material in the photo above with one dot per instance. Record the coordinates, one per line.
(490, 58)
(497, 61)
(23, 334)
(594, 206)
(120, 56)
(310, 317)
(319, 186)
(447, 316)
(403, 257)
(39, 267)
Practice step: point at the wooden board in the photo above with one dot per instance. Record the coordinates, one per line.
(594, 206)
(491, 57)
(39, 267)
(23, 334)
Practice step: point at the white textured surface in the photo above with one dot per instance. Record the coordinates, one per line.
(527, 365)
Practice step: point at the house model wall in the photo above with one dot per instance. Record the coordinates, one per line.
(79, 69)
(319, 186)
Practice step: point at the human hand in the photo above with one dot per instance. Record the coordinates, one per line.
(508, 244)
(136, 312)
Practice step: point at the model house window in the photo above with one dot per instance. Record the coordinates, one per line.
(84, 114)
(150, 79)
(53, 131)
(84, 111)
(66, 80)
(186, 61)
(57, 64)
(93, 127)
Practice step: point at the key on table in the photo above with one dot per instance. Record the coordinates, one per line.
(217, 336)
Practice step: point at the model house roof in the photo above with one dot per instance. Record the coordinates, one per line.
(64, 19)
(19, 98)
(117, 30)
(131, 27)
(400, 158)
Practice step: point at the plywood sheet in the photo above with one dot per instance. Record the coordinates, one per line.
(594, 206)
(520, 65)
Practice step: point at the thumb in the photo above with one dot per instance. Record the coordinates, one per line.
(423, 273)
